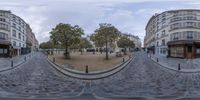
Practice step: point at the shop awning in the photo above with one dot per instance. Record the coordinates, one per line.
(183, 42)
(4, 42)
(16, 47)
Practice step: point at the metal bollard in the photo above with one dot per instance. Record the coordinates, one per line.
(179, 66)
(123, 59)
(54, 60)
(25, 58)
(86, 69)
(11, 63)
(157, 59)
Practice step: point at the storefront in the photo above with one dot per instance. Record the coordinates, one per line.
(184, 49)
(15, 51)
(4, 49)
(151, 49)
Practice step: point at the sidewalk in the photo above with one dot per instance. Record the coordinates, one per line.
(186, 65)
(5, 63)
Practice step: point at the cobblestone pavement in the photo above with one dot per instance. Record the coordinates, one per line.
(141, 79)
(5, 63)
(37, 79)
(144, 78)
(187, 64)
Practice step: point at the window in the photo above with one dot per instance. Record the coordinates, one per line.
(189, 24)
(189, 35)
(14, 18)
(189, 48)
(19, 28)
(198, 51)
(175, 26)
(3, 26)
(175, 36)
(19, 34)
(162, 51)
(157, 35)
(1, 50)
(157, 43)
(14, 33)
(14, 25)
(23, 38)
(163, 42)
(14, 43)
(3, 19)
(163, 33)
(19, 21)
(3, 36)
(5, 51)
(19, 44)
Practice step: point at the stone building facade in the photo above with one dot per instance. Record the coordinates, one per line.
(177, 33)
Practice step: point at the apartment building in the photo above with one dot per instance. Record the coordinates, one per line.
(177, 33)
(149, 39)
(5, 42)
(13, 34)
(18, 35)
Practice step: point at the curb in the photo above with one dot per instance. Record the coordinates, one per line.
(17, 65)
(90, 76)
(180, 71)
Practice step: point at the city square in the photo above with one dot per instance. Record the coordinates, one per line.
(100, 50)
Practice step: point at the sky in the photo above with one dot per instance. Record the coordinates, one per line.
(129, 16)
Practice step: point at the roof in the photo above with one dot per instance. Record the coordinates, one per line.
(8, 11)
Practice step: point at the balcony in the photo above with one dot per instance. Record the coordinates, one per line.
(4, 42)
(190, 27)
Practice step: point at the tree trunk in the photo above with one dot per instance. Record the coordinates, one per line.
(106, 49)
(125, 51)
(81, 51)
(67, 55)
(101, 50)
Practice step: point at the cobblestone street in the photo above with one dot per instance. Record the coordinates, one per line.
(185, 64)
(36, 78)
(142, 78)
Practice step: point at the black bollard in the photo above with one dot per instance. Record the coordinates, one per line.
(179, 66)
(11, 63)
(25, 58)
(123, 59)
(86, 70)
(54, 60)
(157, 59)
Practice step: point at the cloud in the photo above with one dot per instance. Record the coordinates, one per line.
(129, 16)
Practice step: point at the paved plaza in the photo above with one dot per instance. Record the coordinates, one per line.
(141, 79)
(8, 63)
(186, 65)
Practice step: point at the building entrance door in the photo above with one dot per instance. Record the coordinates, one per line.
(189, 52)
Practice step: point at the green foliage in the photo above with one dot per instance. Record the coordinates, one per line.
(125, 42)
(66, 35)
(47, 45)
(97, 39)
(105, 34)
(84, 43)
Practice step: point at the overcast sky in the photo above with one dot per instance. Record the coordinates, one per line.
(129, 16)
